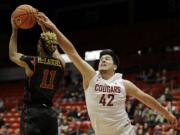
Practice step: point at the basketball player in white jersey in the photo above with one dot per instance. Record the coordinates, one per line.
(105, 90)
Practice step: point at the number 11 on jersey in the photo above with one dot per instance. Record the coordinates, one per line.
(48, 79)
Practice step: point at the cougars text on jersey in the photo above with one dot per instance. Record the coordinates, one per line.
(107, 89)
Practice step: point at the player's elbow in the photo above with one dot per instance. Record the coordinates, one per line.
(12, 56)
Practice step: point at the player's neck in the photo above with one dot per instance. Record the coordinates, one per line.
(43, 54)
(106, 74)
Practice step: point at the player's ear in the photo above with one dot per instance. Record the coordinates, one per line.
(115, 67)
(40, 42)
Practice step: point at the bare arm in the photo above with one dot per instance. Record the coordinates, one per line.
(85, 69)
(13, 53)
(148, 100)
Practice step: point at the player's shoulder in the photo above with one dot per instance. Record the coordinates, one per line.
(128, 84)
(119, 75)
(126, 81)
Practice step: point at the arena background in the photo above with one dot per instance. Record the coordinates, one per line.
(144, 33)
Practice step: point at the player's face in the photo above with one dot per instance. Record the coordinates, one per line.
(106, 63)
(52, 47)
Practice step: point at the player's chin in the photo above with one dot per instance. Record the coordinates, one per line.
(101, 69)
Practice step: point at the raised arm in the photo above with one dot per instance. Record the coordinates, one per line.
(14, 55)
(85, 69)
(148, 100)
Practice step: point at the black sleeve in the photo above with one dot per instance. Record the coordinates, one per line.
(29, 60)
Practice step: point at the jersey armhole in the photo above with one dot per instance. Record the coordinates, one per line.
(30, 61)
(91, 81)
(33, 62)
(63, 68)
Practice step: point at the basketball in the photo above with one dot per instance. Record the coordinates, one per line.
(24, 16)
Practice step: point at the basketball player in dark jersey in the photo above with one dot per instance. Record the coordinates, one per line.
(43, 74)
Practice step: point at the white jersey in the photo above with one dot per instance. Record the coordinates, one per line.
(105, 100)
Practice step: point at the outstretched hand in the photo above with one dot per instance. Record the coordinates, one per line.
(42, 19)
(172, 119)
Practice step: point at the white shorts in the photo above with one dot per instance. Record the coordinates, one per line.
(128, 130)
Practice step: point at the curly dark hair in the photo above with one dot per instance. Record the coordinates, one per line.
(112, 54)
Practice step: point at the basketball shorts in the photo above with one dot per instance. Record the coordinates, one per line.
(39, 120)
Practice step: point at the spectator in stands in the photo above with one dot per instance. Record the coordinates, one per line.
(64, 125)
(177, 113)
(105, 90)
(1, 105)
(168, 96)
(142, 76)
(43, 75)
(164, 76)
(79, 89)
(172, 132)
(173, 83)
(140, 131)
(60, 115)
(2, 122)
(145, 128)
(159, 119)
(75, 113)
(90, 131)
(138, 117)
(158, 78)
(56, 107)
(151, 77)
(4, 130)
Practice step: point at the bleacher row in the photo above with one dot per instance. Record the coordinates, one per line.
(12, 118)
